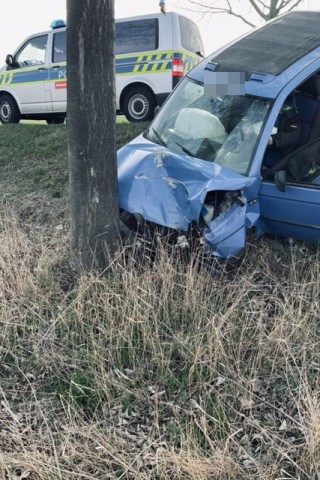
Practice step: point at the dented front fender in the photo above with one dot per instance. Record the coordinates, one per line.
(170, 189)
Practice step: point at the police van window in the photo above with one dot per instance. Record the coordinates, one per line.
(33, 52)
(59, 52)
(136, 36)
(190, 36)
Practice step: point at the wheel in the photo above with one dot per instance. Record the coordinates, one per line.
(55, 120)
(9, 111)
(139, 104)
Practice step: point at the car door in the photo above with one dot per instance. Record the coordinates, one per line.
(58, 72)
(294, 212)
(29, 78)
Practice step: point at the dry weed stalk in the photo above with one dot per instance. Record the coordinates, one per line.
(158, 372)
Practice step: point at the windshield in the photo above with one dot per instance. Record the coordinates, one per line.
(220, 129)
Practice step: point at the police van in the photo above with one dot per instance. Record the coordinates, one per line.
(152, 53)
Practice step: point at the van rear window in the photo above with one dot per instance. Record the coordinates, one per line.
(136, 36)
(190, 36)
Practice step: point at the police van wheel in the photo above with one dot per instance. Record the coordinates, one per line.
(9, 111)
(139, 104)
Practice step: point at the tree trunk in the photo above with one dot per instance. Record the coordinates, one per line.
(94, 212)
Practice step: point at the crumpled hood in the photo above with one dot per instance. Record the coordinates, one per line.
(168, 188)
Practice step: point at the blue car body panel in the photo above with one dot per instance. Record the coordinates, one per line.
(169, 189)
(293, 213)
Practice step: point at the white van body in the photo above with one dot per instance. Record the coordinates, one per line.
(152, 53)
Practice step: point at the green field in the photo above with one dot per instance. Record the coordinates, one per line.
(163, 372)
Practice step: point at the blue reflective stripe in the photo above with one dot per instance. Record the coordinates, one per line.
(58, 74)
(124, 69)
(150, 62)
(29, 77)
(126, 60)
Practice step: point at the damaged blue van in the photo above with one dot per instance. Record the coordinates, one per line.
(205, 171)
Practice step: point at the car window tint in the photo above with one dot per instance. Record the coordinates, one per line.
(59, 47)
(303, 166)
(190, 36)
(33, 52)
(136, 36)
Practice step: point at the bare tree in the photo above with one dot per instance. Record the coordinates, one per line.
(94, 212)
(265, 9)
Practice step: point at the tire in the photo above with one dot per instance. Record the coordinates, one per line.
(9, 111)
(55, 120)
(139, 104)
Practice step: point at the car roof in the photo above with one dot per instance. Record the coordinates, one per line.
(149, 15)
(271, 54)
(274, 47)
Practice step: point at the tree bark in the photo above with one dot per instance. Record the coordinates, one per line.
(93, 184)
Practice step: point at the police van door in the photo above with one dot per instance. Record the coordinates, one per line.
(58, 72)
(29, 76)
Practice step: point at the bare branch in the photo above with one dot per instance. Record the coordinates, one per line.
(245, 20)
(295, 4)
(227, 9)
(258, 9)
(262, 3)
(266, 9)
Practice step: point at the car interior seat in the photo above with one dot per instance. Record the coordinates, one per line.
(307, 101)
(308, 105)
(302, 165)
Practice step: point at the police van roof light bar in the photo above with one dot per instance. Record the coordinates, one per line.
(57, 24)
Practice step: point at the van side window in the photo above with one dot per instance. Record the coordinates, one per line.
(301, 166)
(59, 51)
(190, 36)
(33, 52)
(136, 36)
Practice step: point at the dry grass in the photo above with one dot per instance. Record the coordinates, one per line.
(160, 373)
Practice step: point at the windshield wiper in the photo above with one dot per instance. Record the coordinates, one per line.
(157, 136)
(185, 150)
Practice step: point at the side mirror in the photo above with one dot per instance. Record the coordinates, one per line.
(280, 179)
(9, 60)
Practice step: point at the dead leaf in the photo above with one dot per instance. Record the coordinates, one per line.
(283, 426)
(220, 381)
(194, 404)
(258, 386)
(246, 403)
(157, 395)
(18, 476)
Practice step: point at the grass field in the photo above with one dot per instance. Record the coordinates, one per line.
(157, 373)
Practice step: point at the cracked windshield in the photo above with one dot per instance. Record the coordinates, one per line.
(220, 129)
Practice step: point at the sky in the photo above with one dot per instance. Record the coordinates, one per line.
(33, 16)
